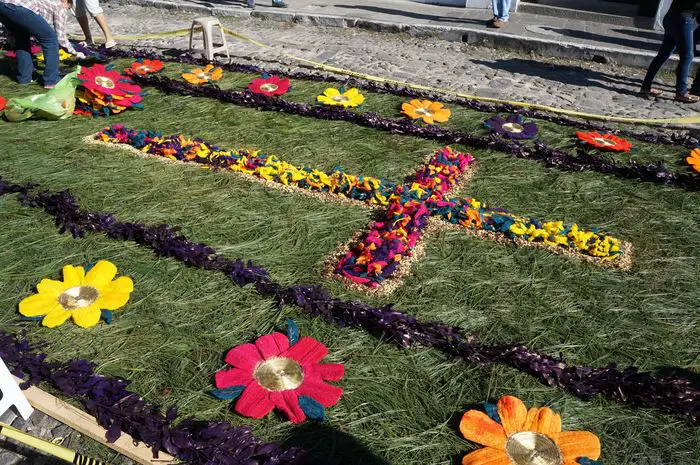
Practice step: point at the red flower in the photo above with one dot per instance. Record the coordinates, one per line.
(277, 374)
(145, 67)
(274, 85)
(607, 142)
(99, 79)
(2, 103)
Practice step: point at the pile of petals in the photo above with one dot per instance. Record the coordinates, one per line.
(475, 215)
(693, 159)
(512, 127)
(144, 67)
(341, 98)
(3, 102)
(62, 55)
(199, 76)
(380, 250)
(512, 433)
(263, 166)
(104, 92)
(270, 86)
(429, 112)
(607, 142)
(280, 371)
(85, 295)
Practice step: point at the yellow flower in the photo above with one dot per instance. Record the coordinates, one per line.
(62, 55)
(349, 98)
(79, 296)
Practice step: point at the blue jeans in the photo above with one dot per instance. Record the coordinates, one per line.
(501, 9)
(24, 24)
(678, 35)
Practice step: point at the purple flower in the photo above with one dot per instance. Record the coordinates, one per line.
(513, 127)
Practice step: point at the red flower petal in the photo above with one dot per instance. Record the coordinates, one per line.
(245, 356)
(272, 345)
(308, 350)
(3, 102)
(234, 377)
(255, 402)
(327, 371)
(288, 402)
(323, 393)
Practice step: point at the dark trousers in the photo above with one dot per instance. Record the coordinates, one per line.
(678, 35)
(24, 24)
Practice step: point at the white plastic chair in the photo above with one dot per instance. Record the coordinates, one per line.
(207, 24)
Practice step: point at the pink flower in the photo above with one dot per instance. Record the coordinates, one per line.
(278, 375)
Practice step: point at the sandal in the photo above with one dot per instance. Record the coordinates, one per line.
(687, 98)
(650, 92)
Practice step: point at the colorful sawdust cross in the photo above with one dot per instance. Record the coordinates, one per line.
(377, 258)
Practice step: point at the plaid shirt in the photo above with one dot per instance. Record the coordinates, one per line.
(54, 14)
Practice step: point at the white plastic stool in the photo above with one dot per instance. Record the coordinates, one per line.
(207, 24)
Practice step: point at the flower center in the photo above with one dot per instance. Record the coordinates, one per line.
(144, 68)
(423, 111)
(269, 87)
(203, 76)
(530, 448)
(514, 128)
(340, 98)
(279, 374)
(78, 297)
(104, 82)
(604, 141)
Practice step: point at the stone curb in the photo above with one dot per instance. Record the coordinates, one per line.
(472, 36)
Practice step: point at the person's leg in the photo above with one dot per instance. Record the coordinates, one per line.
(505, 10)
(81, 16)
(496, 5)
(94, 9)
(22, 43)
(671, 23)
(686, 46)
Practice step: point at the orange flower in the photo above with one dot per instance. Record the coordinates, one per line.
(429, 112)
(694, 159)
(524, 437)
(203, 76)
(604, 141)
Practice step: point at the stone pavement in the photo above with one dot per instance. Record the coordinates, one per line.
(482, 71)
(571, 37)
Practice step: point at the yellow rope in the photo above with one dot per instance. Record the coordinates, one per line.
(684, 120)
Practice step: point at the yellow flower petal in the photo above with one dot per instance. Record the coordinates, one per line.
(37, 304)
(56, 317)
(116, 294)
(86, 317)
(350, 93)
(73, 276)
(51, 287)
(101, 274)
(331, 92)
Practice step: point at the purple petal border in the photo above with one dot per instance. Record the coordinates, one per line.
(673, 394)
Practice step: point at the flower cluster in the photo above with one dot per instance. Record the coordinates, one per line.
(143, 67)
(62, 55)
(199, 76)
(511, 127)
(379, 252)
(341, 98)
(280, 371)
(263, 166)
(512, 433)
(83, 295)
(475, 215)
(607, 142)
(103, 92)
(270, 86)
(427, 111)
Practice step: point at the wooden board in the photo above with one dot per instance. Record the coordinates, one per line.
(87, 425)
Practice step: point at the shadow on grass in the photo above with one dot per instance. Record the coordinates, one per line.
(326, 445)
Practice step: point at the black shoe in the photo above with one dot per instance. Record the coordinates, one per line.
(279, 4)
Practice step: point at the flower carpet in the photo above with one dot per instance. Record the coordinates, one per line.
(305, 269)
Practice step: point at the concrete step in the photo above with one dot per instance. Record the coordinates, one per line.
(618, 14)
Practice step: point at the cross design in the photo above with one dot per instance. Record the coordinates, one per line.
(377, 259)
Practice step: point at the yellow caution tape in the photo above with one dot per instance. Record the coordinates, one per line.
(684, 120)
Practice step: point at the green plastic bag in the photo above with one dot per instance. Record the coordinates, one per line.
(57, 103)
